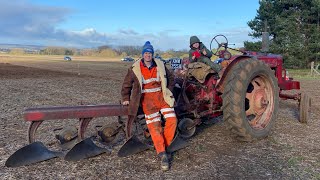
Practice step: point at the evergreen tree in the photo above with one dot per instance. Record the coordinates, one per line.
(294, 29)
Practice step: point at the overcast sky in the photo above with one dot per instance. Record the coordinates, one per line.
(167, 24)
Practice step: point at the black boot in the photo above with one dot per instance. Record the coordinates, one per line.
(164, 161)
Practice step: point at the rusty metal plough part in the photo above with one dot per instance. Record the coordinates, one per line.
(73, 144)
(84, 113)
(68, 137)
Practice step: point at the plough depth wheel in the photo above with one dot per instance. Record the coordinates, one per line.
(186, 127)
(67, 134)
(109, 133)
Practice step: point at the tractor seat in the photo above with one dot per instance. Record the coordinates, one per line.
(199, 71)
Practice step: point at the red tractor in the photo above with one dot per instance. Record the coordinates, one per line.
(246, 92)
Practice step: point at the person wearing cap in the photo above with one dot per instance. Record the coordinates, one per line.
(149, 84)
(199, 53)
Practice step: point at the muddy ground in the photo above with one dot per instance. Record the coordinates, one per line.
(292, 151)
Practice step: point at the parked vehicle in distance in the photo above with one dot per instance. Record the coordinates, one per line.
(67, 58)
(165, 61)
(127, 59)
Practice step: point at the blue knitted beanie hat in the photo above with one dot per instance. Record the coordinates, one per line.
(147, 47)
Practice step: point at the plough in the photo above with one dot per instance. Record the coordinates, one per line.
(74, 146)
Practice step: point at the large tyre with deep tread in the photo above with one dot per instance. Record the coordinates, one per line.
(250, 99)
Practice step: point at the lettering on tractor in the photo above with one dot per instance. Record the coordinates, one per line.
(246, 92)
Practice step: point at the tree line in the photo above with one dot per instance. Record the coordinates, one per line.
(294, 28)
(109, 52)
(102, 51)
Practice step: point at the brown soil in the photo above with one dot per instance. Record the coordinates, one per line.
(292, 151)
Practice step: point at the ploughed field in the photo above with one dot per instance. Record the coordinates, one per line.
(292, 151)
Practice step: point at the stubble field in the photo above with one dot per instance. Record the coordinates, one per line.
(292, 151)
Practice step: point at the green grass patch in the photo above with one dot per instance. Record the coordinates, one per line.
(294, 161)
(302, 74)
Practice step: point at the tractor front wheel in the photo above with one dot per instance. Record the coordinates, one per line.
(305, 105)
(250, 100)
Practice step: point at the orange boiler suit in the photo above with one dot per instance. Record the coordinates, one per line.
(153, 103)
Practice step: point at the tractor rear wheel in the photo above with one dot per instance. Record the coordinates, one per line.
(250, 100)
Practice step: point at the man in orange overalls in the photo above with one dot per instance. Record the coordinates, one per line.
(150, 84)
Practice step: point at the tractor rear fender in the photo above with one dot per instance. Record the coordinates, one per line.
(223, 79)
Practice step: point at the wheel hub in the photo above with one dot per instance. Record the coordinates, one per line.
(259, 101)
(259, 97)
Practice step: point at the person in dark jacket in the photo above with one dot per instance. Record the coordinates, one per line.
(149, 84)
(199, 53)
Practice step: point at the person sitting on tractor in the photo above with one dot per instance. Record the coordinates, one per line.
(199, 53)
(150, 85)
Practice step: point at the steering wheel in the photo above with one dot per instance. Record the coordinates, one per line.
(222, 42)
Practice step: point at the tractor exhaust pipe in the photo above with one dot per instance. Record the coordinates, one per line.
(265, 38)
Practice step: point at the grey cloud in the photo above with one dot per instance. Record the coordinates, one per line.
(20, 18)
(128, 32)
(168, 31)
(161, 40)
(24, 22)
(85, 38)
(238, 35)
